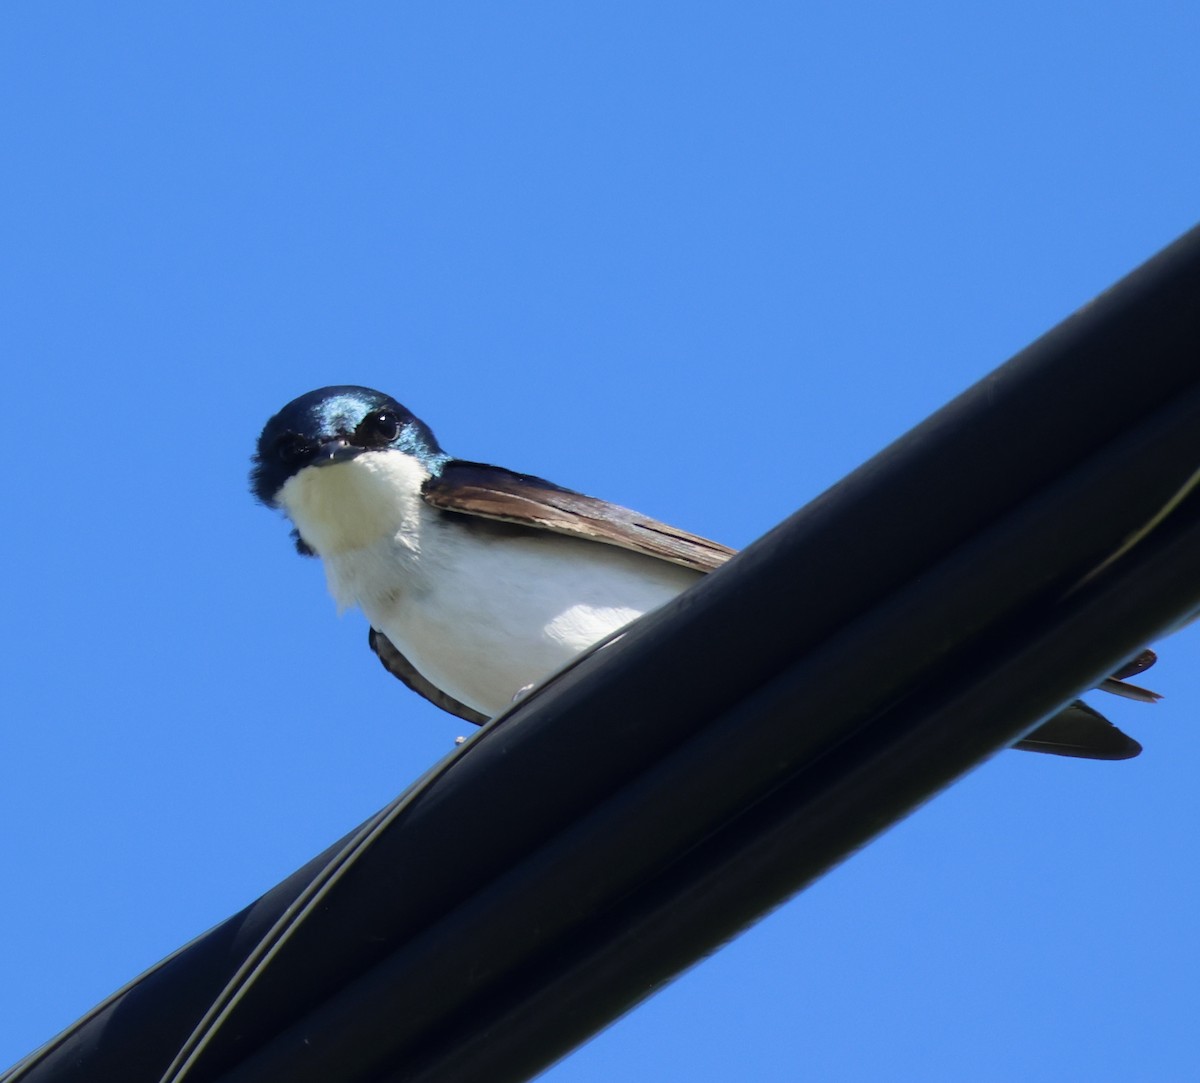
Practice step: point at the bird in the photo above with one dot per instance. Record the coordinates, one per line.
(479, 582)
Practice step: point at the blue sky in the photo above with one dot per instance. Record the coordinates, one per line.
(701, 259)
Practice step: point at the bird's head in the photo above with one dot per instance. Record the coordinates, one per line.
(331, 454)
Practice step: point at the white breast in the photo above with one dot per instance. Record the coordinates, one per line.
(480, 614)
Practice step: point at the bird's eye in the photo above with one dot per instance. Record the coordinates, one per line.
(378, 427)
(291, 448)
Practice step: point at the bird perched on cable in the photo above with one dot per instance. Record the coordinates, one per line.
(479, 582)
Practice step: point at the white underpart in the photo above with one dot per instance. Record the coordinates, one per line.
(480, 616)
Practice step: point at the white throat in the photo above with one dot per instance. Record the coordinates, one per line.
(354, 504)
(364, 518)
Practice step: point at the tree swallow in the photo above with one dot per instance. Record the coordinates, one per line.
(478, 582)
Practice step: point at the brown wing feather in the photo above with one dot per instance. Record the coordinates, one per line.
(495, 493)
(399, 666)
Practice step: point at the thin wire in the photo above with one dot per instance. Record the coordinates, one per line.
(1141, 533)
(289, 921)
(285, 926)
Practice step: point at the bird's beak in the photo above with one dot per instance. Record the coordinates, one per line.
(336, 449)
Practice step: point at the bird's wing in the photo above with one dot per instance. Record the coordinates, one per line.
(399, 666)
(491, 492)
(1078, 730)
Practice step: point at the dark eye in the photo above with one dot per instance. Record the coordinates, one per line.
(378, 427)
(291, 449)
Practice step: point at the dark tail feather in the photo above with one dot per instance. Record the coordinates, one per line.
(1080, 731)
